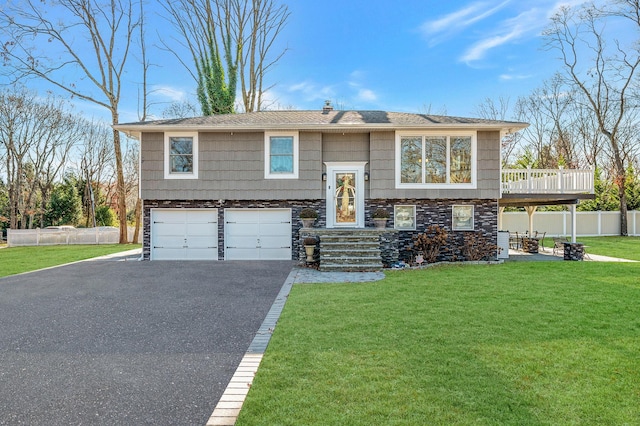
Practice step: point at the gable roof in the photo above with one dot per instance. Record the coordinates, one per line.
(332, 120)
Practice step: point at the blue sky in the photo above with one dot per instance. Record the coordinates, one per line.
(408, 55)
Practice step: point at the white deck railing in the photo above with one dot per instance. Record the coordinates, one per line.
(547, 181)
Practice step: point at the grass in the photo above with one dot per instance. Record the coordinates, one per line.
(622, 247)
(457, 345)
(15, 260)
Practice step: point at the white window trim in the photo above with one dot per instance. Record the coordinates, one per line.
(267, 156)
(395, 217)
(167, 156)
(448, 134)
(453, 220)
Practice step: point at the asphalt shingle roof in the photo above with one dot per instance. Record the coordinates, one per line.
(265, 120)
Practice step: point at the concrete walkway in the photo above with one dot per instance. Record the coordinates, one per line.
(546, 255)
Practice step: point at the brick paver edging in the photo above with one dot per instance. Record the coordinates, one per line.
(230, 403)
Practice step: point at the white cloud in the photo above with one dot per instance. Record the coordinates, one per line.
(172, 93)
(524, 19)
(479, 49)
(367, 95)
(458, 20)
(508, 77)
(356, 75)
(527, 23)
(309, 92)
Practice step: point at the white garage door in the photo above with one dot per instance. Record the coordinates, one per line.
(252, 234)
(184, 234)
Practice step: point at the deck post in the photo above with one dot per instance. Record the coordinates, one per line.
(530, 211)
(573, 223)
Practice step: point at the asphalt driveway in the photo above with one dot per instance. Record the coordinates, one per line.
(114, 342)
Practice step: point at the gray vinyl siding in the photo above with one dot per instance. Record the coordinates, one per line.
(151, 160)
(231, 166)
(382, 165)
(489, 165)
(345, 147)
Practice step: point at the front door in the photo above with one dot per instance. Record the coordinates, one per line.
(345, 195)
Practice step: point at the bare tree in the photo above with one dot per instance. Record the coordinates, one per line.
(604, 73)
(206, 34)
(91, 46)
(132, 180)
(243, 32)
(96, 164)
(260, 26)
(179, 110)
(534, 138)
(585, 129)
(499, 109)
(36, 137)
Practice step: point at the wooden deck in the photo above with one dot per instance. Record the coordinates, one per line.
(547, 181)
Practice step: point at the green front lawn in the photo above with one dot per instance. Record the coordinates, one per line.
(526, 343)
(623, 247)
(15, 260)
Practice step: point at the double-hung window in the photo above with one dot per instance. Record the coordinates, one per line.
(181, 155)
(441, 160)
(281, 155)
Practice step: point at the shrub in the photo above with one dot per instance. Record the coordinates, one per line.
(476, 247)
(105, 216)
(430, 243)
(308, 213)
(380, 214)
(310, 241)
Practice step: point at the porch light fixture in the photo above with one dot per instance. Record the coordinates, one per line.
(366, 176)
(324, 177)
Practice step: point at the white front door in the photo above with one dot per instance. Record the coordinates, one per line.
(345, 195)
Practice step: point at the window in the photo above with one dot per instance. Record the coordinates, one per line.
(181, 156)
(462, 218)
(435, 160)
(281, 155)
(404, 217)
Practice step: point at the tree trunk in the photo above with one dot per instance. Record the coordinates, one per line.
(136, 231)
(121, 193)
(622, 194)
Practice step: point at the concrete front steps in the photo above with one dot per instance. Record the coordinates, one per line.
(350, 250)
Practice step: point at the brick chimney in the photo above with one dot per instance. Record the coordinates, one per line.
(327, 107)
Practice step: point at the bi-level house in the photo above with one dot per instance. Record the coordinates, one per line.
(231, 187)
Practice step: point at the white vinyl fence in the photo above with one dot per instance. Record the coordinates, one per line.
(48, 237)
(559, 223)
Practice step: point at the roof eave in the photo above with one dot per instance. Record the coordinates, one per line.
(136, 129)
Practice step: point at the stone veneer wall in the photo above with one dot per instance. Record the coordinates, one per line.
(428, 212)
(439, 212)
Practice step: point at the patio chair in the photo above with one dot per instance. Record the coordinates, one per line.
(558, 244)
(514, 241)
(540, 237)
